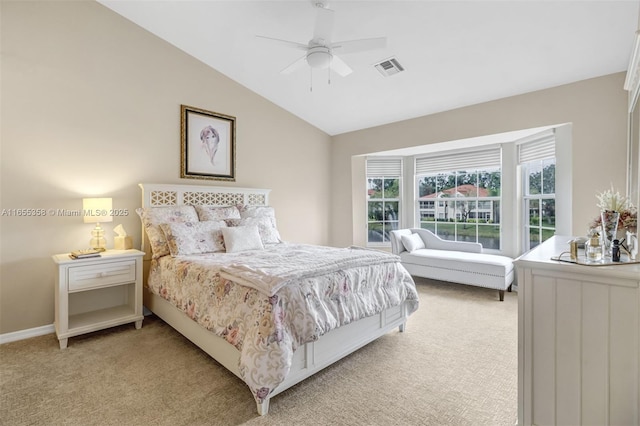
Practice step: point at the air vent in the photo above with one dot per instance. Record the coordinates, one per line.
(389, 67)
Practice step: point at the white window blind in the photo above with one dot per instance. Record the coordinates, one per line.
(485, 159)
(540, 147)
(391, 167)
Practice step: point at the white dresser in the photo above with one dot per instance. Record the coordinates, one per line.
(578, 340)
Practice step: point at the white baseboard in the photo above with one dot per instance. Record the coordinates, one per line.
(40, 331)
(26, 334)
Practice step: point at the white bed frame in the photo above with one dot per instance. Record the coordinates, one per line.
(309, 358)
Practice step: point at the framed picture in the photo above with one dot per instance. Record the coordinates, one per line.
(208, 144)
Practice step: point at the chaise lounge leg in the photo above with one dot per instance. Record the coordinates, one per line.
(501, 294)
(401, 327)
(509, 288)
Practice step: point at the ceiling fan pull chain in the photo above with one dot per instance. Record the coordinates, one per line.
(310, 79)
(329, 74)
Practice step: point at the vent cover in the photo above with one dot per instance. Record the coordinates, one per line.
(389, 67)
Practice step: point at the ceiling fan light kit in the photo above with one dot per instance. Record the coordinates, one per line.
(319, 57)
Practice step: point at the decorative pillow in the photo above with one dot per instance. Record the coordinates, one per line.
(217, 212)
(268, 233)
(152, 217)
(194, 237)
(412, 242)
(257, 211)
(241, 238)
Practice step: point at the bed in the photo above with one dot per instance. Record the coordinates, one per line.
(224, 279)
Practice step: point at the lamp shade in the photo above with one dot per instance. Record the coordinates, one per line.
(96, 210)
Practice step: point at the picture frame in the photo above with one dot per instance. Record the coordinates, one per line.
(207, 144)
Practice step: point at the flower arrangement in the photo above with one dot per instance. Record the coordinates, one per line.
(613, 201)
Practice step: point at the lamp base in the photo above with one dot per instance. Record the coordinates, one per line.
(97, 241)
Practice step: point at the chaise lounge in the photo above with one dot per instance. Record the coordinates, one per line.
(426, 255)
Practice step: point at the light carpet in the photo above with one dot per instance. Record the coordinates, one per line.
(456, 364)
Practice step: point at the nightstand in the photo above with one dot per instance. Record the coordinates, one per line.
(96, 293)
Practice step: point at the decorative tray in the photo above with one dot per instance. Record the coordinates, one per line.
(582, 260)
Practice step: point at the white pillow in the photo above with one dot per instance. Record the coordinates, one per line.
(241, 238)
(412, 242)
(194, 237)
(267, 231)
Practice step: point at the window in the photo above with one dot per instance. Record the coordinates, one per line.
(383, 198)
(466, 188)
(500, 193)
(538, 165)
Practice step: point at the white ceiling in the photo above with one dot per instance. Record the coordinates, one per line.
(455, 53)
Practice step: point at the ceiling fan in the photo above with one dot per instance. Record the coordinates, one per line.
(321, 52)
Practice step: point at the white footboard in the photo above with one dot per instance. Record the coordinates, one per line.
(307, 360)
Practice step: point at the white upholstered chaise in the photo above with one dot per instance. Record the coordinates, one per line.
(454, 261)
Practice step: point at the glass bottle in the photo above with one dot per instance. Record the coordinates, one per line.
(615, 251)
(593, 249)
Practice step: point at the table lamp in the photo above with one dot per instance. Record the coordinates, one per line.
(97, 210)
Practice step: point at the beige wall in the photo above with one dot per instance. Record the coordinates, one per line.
(91, 106)
(596, 108)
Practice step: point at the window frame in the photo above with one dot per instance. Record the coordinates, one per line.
(456, 221)
(527, 197)
(553, 140)
(386, 241)
(386, 169)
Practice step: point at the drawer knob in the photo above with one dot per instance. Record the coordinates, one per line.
(103, 274)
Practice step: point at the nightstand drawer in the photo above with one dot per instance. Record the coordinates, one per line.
(102, 275)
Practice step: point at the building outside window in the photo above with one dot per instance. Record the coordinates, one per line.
(468, 205)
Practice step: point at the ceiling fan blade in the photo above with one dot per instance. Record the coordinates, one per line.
(339, 66)
(296, 65)
(324, 25)
(287, 43)
(354, 46)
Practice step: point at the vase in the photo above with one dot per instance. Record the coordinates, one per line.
(609, 219)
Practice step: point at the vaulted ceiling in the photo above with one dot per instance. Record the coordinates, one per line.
(454, 53)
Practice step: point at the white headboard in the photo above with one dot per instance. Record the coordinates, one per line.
(159, 195)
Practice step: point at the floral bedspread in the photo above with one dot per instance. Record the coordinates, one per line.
(268, 329)
(272, 270)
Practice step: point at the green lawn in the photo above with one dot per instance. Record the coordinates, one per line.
(464, 230)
